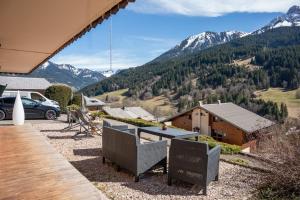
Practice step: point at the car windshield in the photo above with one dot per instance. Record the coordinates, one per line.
(28, 102)
(37, 97)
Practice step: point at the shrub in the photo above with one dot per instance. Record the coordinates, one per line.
(282, 147)
(135, 122)
(60, 93)
(99, 114)
(73, 107)
(298, 93)
(225, 148)
(76, 99)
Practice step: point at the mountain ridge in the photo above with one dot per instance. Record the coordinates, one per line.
(172, 73)
(199, 42)
(207, 39)
(289, 19)
(67, 74)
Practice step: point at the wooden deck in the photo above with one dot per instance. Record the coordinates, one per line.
(30, 168)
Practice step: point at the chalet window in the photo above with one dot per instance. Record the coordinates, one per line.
(218, 135)
(217, 119)
(190, 116)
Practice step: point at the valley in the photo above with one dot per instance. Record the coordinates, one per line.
(279, 95)
(210, 66)
(217, 78)
(158, 105)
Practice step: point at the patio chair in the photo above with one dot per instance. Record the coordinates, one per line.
(124, 149)
(115, 126)
(87, 124)
(193, 162)
(72, 116)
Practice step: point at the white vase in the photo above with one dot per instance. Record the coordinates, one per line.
(18, 111)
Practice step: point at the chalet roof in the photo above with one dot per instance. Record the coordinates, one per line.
(129, 112)
(24, 83)
(140, 113)
(93, 102)
(33, 31)
(117, 112)
(238, 116)
(235, 115)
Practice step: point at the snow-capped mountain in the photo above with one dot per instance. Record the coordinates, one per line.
(109, 73)
(67, 74)
(201, 41)
(208, 39)
(291, 18)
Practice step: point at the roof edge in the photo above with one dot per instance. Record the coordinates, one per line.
(179, 114)
(247, 132)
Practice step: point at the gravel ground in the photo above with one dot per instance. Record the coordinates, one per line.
(84, 153)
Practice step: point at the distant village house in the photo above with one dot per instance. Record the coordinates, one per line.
(93, 104)
(15, 83)
(129, 113)
(226, 122)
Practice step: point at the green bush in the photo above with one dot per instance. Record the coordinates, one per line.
(99, 114)
(76, 99)
(73, 107)
(225, 148)
(135, 122)
(60, 93)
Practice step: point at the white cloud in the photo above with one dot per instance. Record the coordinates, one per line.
(210, 8)
(161, 42)
(100, 61)
(153, 39)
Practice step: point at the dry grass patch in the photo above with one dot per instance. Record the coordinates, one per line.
(159, 105)
(246, 63)
(280, 95)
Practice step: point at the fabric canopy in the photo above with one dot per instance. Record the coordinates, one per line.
(32, 31)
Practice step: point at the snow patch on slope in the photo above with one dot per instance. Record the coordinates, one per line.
(290, 19)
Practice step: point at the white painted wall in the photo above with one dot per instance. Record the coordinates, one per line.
(205, 128)
(196, 118)
(201, 121)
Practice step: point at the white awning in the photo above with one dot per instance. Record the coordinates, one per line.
(32, 31)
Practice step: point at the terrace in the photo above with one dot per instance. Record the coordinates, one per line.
(38, 160)
(85, 154)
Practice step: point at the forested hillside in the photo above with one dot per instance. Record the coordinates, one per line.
(211, 74)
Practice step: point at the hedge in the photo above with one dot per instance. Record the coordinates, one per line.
(73, 107)
(76, 99)
(135, 122)
(60, 93)
(225, 148)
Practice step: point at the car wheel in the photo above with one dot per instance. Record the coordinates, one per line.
(2, 115)
(50, 114)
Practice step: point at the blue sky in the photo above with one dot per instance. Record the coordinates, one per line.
(148, 28)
